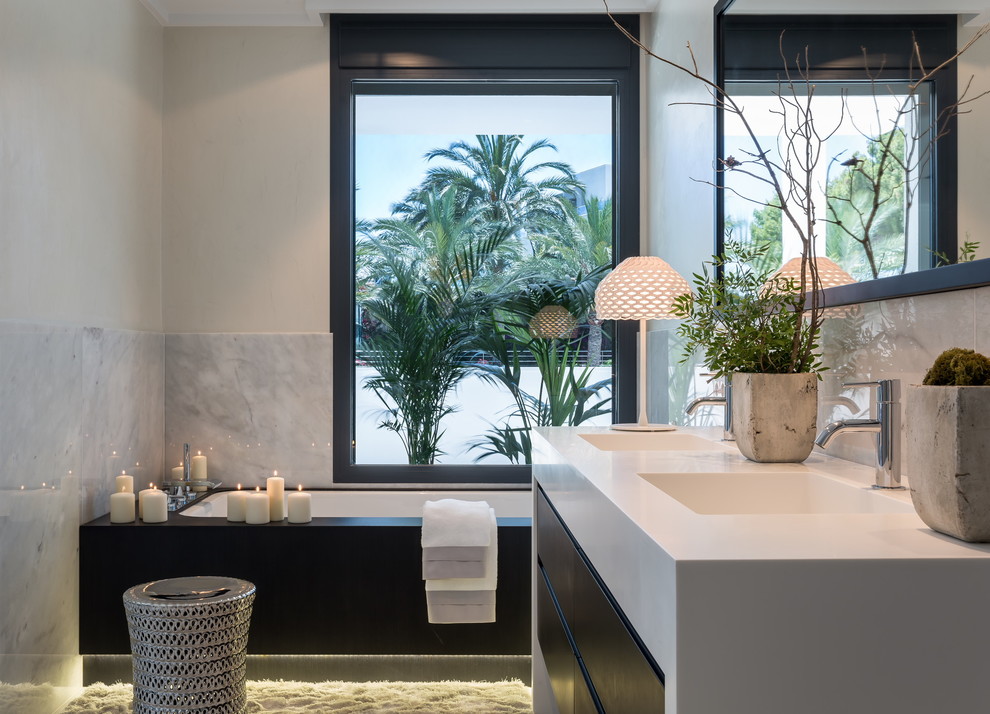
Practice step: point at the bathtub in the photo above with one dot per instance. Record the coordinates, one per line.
(380, 504)
(349, 582)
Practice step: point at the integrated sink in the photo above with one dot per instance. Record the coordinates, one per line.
(649, 441)
(772, 492)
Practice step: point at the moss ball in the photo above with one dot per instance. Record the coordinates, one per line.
(959, 367)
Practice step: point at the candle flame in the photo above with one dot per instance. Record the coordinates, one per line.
(199, 453)
(238, 487)
(257, 488)
(300, 487)
(275, 473)
(43, 484)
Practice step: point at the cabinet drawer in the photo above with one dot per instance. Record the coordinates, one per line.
(558, 655)
(555, 551)
(623, 677)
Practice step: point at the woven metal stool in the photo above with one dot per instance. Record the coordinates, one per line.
(189, 644)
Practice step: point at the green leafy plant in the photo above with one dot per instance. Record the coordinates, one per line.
(959, 367)
(747, 320)
(967, 254)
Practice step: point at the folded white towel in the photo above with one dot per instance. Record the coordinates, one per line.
(489, 576)
(450, 522)
(454, 614)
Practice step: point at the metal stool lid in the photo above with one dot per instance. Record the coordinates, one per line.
(190, 590)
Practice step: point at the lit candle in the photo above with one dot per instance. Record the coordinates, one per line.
(122, 507)
(197, 470)
(256, 507)
(276, 496)
(235, 505)
(151, 487)
(124, 483)
(300, 507)
(154, 505)
(177, 473)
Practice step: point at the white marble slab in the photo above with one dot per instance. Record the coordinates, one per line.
(252, 403)
(40, 406)
(123, 419)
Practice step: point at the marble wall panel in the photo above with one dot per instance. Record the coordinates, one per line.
(40, 404)
(252, 403)
(896, 339)
(123, 419)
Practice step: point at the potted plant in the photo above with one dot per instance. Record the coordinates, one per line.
(948, 445)
(751, 326)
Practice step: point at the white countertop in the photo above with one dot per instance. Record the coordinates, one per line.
(787, 613)
(686, 535)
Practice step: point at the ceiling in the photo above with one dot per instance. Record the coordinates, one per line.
(294, 13)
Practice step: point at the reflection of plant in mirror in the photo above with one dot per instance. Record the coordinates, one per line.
(967, 254)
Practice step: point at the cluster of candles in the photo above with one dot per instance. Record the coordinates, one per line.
(152, 503)
(257, 506)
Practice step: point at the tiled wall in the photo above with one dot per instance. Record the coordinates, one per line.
(77, 405)
(253, 403)
(894, 339)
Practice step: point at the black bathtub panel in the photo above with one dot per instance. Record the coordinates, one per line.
(333, 586)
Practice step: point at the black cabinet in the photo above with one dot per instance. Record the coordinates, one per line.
(594, 659)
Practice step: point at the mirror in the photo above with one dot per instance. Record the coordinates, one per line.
(920, 228)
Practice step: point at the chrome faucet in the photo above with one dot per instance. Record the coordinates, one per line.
(716, 400)
(887, 427)
(180, 492)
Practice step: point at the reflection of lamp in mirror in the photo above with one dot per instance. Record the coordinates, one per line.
(830, 274)
(640, 288)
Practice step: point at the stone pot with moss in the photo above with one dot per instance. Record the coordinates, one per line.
(947, 423)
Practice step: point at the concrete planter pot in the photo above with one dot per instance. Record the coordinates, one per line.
(948, 459)
(774, 416)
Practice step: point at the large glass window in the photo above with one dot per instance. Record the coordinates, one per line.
(484, 178)
(483, 225)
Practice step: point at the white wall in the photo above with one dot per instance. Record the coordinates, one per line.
(80, 161)
(680, 138)
(246, 207)
(974, 144)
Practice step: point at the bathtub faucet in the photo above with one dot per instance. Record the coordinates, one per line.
(181, 492)
(887, 427)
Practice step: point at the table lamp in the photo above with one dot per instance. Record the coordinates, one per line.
(640, 288)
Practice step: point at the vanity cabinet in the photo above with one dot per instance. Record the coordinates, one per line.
(594, 658)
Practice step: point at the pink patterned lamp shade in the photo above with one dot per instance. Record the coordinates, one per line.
(640, 288)
(829, 273)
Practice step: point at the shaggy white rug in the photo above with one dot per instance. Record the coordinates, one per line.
(344, 698)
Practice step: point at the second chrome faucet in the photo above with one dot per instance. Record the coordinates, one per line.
(886, 426)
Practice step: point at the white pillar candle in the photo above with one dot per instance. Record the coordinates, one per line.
(256, 507)
(122, 507)
(276, 496)
(177, 473)
(124, 484)
(154, 506)
(141, 499)
(197, 470)
(235, 505)
(300, 507)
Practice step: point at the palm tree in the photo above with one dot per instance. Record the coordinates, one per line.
(499, 176)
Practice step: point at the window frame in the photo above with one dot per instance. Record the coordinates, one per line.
(937, 39)
(426, 51)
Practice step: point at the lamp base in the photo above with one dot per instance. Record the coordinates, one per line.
(643, 427)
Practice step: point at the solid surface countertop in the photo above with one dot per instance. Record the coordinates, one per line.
(686, 535)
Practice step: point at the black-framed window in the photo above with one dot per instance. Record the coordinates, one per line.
(477, 56)
(748, 51)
